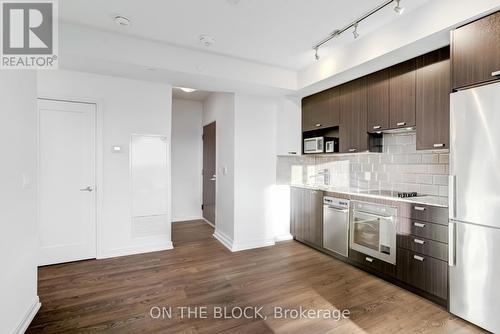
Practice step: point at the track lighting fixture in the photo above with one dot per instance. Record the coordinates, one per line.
(399, 9)
(355, 32)
(316, 55)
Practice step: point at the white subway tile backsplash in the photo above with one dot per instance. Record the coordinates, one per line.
(443, 191)
(428, 189)
(430, 158)
(444, 158)
(400, 167)
(441, 180)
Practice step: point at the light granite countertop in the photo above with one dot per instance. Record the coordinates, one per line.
(424, 199)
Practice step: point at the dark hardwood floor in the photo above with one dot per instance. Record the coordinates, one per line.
(116, 295)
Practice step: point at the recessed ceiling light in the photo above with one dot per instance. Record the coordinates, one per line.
(187, 90)
(122, 21)
(207, 40)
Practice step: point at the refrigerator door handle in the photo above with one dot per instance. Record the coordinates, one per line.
(451, 243)
(452, 196)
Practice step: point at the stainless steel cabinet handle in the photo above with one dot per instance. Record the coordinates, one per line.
(369, 259)
(337, 209)
(317, 125)
(418, 258)
(419, 208)
(438, 145)
(418, 241)
(401, 124)
(89, 189)
(494, 74)
(419, 225)
(376, 127)
(214, 177)
(352, 150)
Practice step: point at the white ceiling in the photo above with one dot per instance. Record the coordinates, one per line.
(275, 32)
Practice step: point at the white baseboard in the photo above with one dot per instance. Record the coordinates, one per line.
(136, 250)
(240, 246)
(186, 219)
(28, 317)
(224, 239)
(283, 237)
(208, 222)
(234, 246)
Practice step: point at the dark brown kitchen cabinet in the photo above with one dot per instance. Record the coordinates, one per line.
(423, 272)
(377, 100)
(307, 215)
(353, 117)
(320, 110)
(476, 52)
(433, 100)
(402, 89)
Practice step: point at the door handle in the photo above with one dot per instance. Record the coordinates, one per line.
(419, 258)
(419, 225)
(214, 177)
(452, 183)
(401, 124)
(438, 145)
(451, 243)
(377, 127)
(418, 241)
(89, 189)
(494, 74)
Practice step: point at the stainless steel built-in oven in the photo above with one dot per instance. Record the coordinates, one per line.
(373, 230)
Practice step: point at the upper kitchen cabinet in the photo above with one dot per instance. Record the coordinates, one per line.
(433, 100)
(402, 106)
(320, 111)
(353, 117)
(377, 100)
(476, 52)
(288, 127)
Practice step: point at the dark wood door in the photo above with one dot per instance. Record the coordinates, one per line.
(377, 100)
(402, 92)
(209, 172)
(353, 112)
(306, 216)
(476, 52)
(320, 110)
(433, 100)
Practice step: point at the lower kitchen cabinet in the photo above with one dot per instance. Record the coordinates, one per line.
(307, 215)
(423, 272)
(372, 263)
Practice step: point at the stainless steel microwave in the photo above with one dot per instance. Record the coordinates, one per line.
(314, 145)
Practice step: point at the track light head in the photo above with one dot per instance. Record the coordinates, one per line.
(316, 55)
(399, 9)
(355, 32)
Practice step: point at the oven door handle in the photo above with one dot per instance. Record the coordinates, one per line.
(373, 215)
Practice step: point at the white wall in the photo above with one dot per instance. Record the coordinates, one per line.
(18, 237)
(219, 107)
(255, 171)
(127, 107)
(187, 159)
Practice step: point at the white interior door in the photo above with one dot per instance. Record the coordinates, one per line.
(66, 194)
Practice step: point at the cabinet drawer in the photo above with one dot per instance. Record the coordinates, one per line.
(372, 263)
(420, 245)
(426, 213)
(422, 229)
(423, 272)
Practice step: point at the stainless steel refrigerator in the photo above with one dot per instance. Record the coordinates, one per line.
(474, 203)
